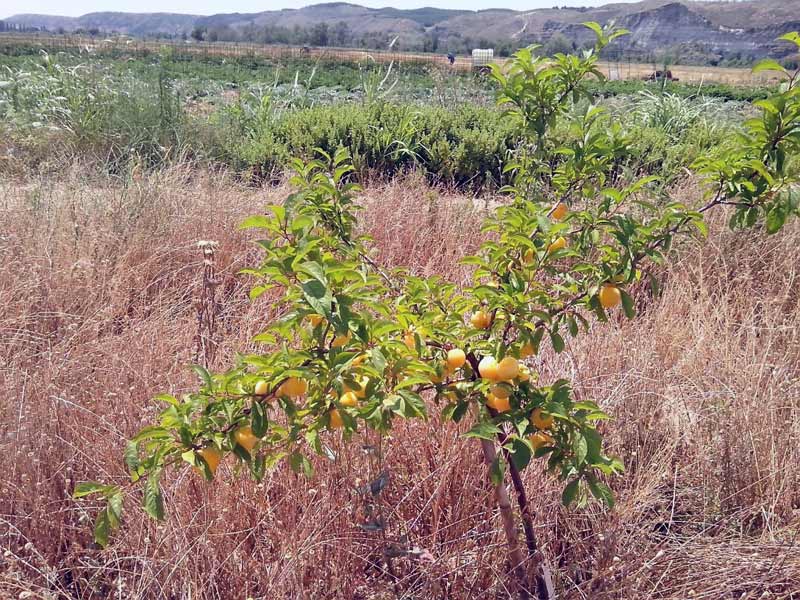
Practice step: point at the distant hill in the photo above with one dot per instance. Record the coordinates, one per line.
(701, 31)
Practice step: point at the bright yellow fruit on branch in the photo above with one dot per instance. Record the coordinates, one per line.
(349, 399)
(559, 244)
(410, 340)
(524, 373)
(560, 211)
(212, 457)
(245, 437)
(526, 350)
(540, 440)
(456, 359)
(481, 320)
(541, 420)
(359, 360)
(261, 388)
(499, 404)
(529, 256)
(610, 296)
(315, 319)
(361, 392)
(508, 368)
(335, 419)
(294, 387)
(488, 368)
(340, 340)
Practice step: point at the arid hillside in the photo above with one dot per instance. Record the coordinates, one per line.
(709, 29)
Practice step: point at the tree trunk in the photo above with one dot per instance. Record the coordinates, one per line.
(541, 571)
(515, 553)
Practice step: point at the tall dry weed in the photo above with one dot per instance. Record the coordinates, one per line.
(97, 282)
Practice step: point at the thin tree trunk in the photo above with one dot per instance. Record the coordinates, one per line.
(542, 578)
(507, 516)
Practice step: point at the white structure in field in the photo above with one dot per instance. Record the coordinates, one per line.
(482, 57)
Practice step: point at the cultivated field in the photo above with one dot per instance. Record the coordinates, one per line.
(624, 70)
(111, 172)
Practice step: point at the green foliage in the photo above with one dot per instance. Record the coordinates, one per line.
(351, 325)
(118, 118)
(467, 145)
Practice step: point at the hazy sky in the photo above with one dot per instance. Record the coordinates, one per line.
(207, 7)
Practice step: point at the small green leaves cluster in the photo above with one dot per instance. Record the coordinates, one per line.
(359, 345)
(753, 172)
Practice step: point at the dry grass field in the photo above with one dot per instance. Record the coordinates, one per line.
(97, 287)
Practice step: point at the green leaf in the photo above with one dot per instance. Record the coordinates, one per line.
(768, 64)
(256, 221)
(483, 431)
(257, 467)
(315, 270)
(558, 342)
(594, 27)
(602, 492)
(318, 296)
(792, 36)
(776, 218)
(87, 488)
(627, 304)
(102, 528)
(580, 448)
(258, 419)
(300, 464)
(414, 404)
(521, 453)
(153, 502)
(459, 411)
(114, 509)
(203, 374)
(536, 340)
(594, 445)
(570, 492)
(131, 455)
(572, 323)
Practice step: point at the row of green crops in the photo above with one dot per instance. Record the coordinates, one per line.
(132, 115)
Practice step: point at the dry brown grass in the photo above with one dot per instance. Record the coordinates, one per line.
(96, 288)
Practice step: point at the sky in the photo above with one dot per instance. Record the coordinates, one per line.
(76, 8)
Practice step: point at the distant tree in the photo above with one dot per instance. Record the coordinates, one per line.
(319, 35)
(558, 43)
(198, 33)
(340, 36)
(430, 42)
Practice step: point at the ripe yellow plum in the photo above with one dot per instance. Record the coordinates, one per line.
(610, 296)
(481, 320)
(508, 368)
(488, 368)
(541, 420)
(245, 437)
(559, 244)
(261, 388)
(456, 359)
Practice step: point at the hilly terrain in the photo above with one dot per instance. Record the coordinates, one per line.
(693, 31)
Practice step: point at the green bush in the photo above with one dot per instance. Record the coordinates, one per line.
(463, 146)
